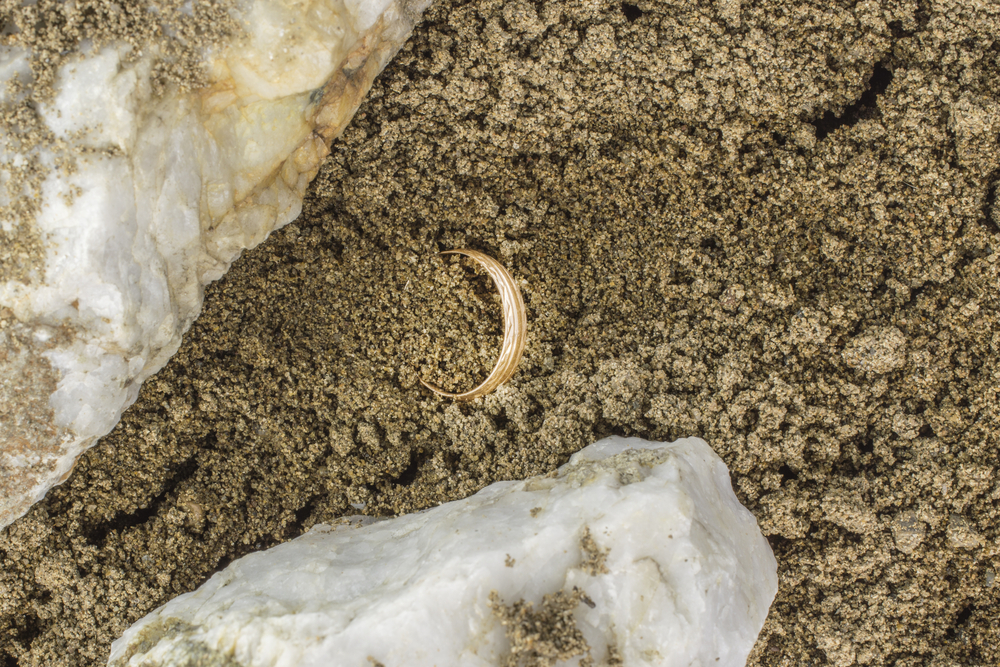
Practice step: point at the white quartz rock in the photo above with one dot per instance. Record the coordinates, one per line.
(657, 562)
(142, 199)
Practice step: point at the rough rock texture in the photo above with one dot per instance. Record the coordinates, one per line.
(124, 196)
(716, 286)
(633, 553)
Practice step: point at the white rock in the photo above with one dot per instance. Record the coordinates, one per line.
(677, 573)
(100, 282)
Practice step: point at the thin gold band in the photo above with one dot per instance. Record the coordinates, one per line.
(515, 328)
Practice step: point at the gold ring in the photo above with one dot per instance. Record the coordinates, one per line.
(515, 328)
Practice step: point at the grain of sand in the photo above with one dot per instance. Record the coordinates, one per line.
(773, 225)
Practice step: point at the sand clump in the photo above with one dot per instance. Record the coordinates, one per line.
(544, 637)
(772, 226)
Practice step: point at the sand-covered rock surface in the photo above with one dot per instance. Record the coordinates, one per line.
(772, 225)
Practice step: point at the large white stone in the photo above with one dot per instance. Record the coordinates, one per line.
(667, 567)
(164, 192)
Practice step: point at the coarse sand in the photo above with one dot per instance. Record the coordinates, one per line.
(773, 225)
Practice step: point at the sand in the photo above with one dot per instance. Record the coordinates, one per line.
(772, 226)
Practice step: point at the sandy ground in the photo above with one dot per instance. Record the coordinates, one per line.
(771, 225)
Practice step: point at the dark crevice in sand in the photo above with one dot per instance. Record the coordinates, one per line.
(991, 211)
(26, 629)
(866, 108)
(122, 521)
(631, 12)
(297, 527)
(787, 473)
(409, 476)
